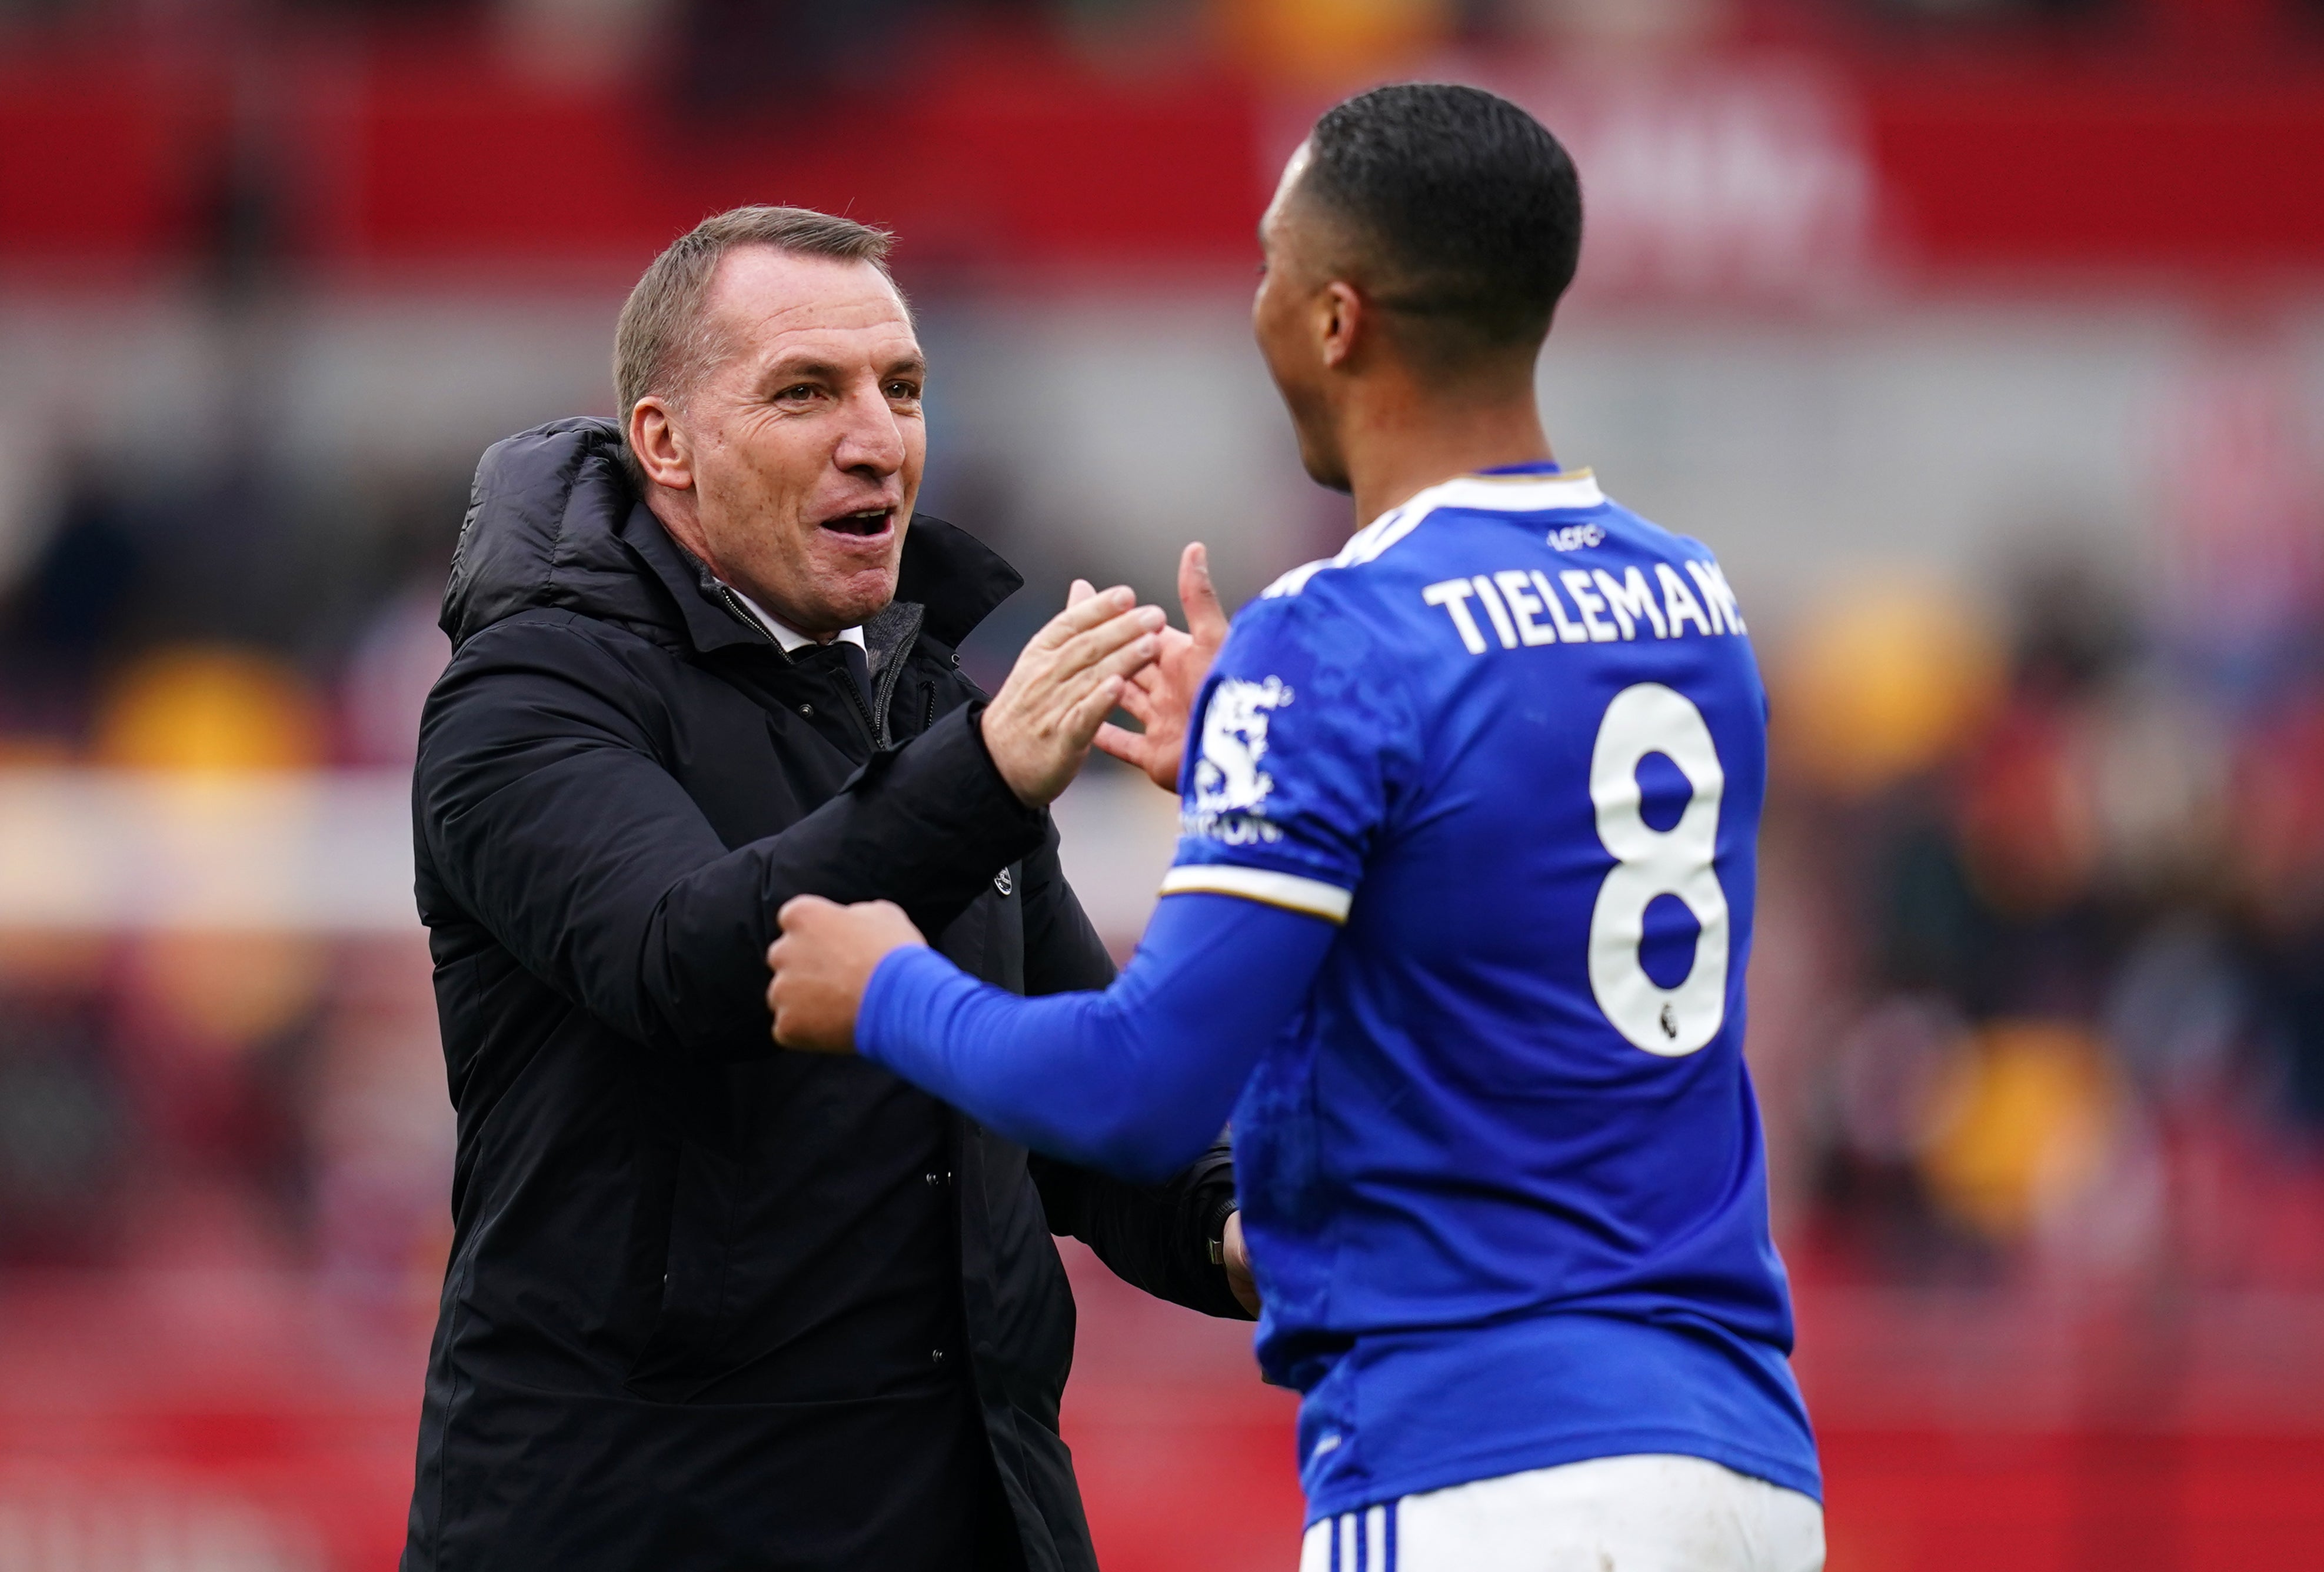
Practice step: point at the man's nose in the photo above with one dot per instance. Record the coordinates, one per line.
(872, 443)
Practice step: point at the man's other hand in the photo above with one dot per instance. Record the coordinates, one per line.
(1038, 728)
(823, 963)
(1235, 1256)
(1161, 696)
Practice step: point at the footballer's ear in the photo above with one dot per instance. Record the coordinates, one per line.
(1340, 317)
(660, 444)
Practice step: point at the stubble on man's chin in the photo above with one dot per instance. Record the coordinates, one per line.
(860, 603)
(878, 595)
(841, 617)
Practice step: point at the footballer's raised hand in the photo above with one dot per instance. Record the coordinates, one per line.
(1161, 696)
(1038, 728)
(823, 963)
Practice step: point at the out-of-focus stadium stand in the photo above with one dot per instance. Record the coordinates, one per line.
(1984, 339)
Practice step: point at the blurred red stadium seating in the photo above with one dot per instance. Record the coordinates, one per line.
(407, 156)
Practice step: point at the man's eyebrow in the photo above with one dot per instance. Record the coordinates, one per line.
(801, 366)
(814, 368)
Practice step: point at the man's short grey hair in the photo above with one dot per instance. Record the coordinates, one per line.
(662, 344)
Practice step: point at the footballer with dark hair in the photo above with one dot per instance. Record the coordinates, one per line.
(1457, 928)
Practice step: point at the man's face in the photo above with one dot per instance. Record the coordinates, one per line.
(804, 435)
(1284, 319)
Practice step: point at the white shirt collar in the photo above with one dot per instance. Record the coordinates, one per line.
(788, 637)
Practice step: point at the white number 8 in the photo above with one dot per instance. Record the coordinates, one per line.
(1649, 862)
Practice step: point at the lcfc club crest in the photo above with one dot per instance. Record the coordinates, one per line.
(1231, 789)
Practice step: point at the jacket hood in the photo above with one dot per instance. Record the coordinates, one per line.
(553, 521)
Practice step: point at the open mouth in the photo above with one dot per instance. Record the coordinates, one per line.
(870, 522)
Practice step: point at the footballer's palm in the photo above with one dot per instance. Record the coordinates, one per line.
(1160, 696)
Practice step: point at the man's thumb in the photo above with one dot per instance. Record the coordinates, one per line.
(1196, 593)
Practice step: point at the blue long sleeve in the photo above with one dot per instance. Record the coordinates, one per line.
(1135, 1080)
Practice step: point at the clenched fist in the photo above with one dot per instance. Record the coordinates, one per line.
(823, 963)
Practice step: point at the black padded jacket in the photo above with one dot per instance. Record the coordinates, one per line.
(711, 1305)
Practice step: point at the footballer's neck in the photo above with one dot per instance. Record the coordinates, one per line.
(1401, 435)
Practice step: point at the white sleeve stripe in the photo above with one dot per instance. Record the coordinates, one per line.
(1287, 891)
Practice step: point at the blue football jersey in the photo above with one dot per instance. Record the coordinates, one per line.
(1503, 1177)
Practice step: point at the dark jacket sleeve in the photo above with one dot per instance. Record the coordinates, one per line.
(545, 811)
(1156, 1236)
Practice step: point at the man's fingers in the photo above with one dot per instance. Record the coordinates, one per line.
(799, 911)
(1097, 644)
(1128, 745)
(1070, 694)
(1089, 611)
(1139, 703)
(1082, 721)
(1205, 619)
(1070, 683)
(1133, 656)
(1080, 589)
(889, 912)
(884, 922)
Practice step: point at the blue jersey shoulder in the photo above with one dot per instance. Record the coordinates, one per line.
(1340, 680)
(1595, 573)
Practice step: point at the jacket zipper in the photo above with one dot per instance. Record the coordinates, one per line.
(862, 709)
(742, 613)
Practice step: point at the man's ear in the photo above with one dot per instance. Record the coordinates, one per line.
(660, 444)
(1340, 317)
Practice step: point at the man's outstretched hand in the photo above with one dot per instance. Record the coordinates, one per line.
(1040, 725)
(1160, 696)
(823, 963)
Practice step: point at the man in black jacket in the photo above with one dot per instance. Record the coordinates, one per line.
(711, 1305)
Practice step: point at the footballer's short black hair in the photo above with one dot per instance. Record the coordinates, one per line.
(1460, 209)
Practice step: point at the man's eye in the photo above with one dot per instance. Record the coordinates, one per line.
(802, 390)
(904, 391)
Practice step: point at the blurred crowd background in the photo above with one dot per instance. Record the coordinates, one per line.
(1983, 339)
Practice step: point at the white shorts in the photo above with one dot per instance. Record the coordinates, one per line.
(1652, 1513)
